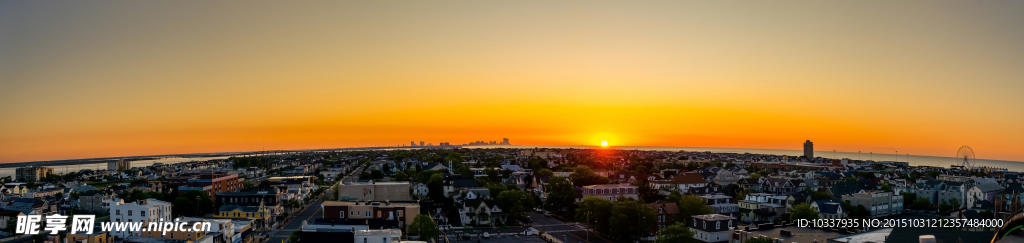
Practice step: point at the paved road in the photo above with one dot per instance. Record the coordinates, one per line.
(309, 214)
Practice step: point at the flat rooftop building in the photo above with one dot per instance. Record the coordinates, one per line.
(374, 191)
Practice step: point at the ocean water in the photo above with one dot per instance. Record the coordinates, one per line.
(64, 169)
(916, 160)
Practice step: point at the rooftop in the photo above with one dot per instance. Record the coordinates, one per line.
(713, 217)
(603, 186)
(376, 203)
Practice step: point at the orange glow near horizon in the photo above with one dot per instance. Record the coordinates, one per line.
(87, 80)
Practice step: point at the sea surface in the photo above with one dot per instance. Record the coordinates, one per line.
(915, 160)
(64, 169)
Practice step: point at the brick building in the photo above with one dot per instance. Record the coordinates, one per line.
(401, 211)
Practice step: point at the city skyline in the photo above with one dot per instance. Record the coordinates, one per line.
(87, 80)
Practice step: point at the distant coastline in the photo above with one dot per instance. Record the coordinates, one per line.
(914, 160)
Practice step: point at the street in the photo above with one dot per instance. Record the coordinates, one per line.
(308, 214)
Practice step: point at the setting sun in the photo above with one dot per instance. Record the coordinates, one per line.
(604, 143)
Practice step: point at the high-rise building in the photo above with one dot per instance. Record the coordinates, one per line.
(412, 143)
(32, 173)
(809, 149)
(422, 143)
(504, 141)
(120, 165)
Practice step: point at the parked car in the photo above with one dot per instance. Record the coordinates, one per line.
(487, 235)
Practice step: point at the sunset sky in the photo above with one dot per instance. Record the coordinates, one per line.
(82, 79)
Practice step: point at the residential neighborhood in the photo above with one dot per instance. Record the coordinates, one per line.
(448, 194)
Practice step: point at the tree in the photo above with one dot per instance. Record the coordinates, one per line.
(515, 204)
(922, 203)
(692, 166)
(908, 198)
(537, 163)
(886, 187)
(676, 233)
(858, 212)
(376, 174)
(454, 158)
(492, 175)
(755, 176)
(631, 220)
(187, 205)
(689, 205)
(424, 176)
(647, 192)
(560, 195)
(594, 211)
(944, 207)
(11, 223)
(545, 172)
(584, 176)
(424, 227)
(803, 211)
(761, 239)
(401, 176)
(640, 169)
(815, 196)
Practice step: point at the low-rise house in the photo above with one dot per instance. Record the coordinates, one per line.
(722, 204)
(712, 227)
(479, 212)
(797, 198)
(95, 201)
(611, 191)
(711, 189)
(954, 193)
(778, 186)
(845, 188)
(400, 213)
(686, 180)
(146, 210)
(878, 204)
(983, 192)
(753, 184)
(928, 189)
(666, 212)
(761, 207)
(454, 184)
(261, 214)
(6, 215)
(829, 209)
(726, 177)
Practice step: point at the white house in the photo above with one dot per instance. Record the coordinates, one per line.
(147, 210)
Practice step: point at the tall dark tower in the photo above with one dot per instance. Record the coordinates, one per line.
(809, 150)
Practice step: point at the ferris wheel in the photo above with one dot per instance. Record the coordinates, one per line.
(965, 158)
